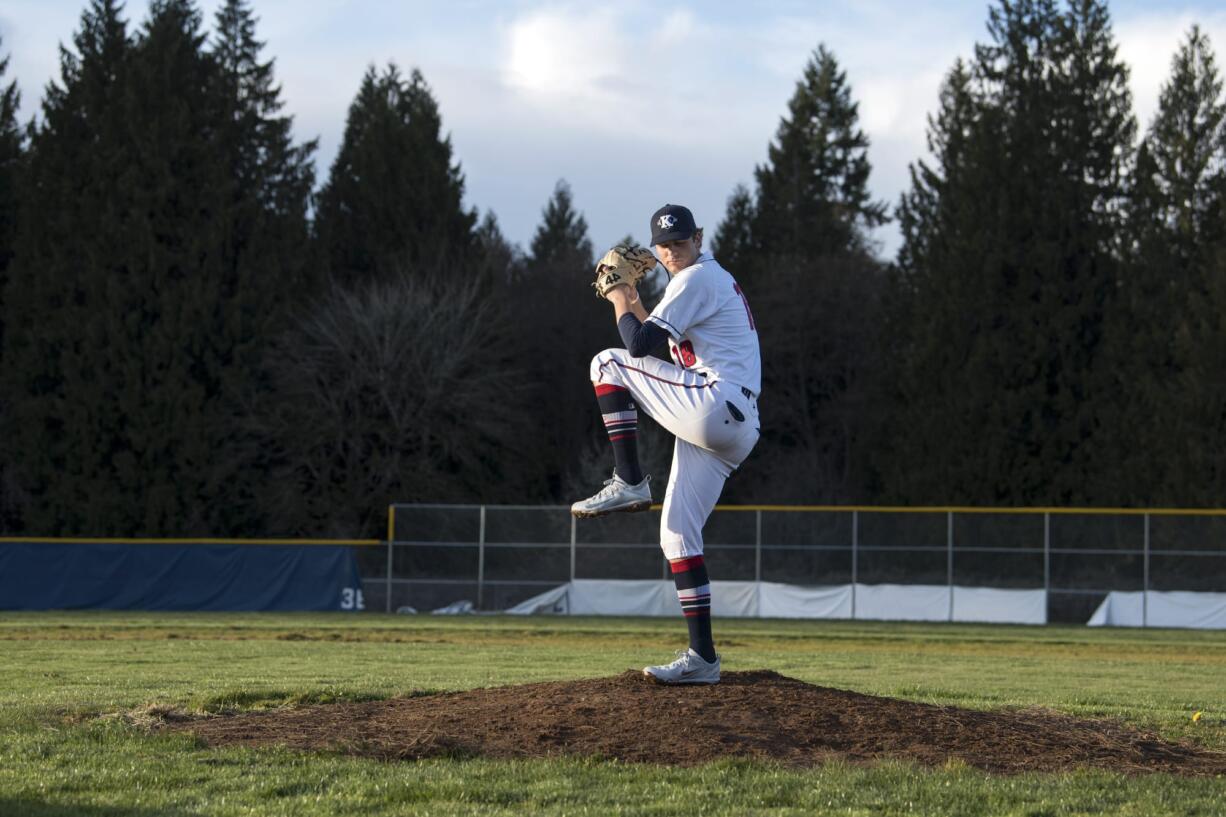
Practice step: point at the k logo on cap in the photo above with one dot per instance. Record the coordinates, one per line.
(672, 222)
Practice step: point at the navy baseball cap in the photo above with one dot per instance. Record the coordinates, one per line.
(672, 222)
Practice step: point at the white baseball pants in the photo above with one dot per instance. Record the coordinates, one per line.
(711, 440)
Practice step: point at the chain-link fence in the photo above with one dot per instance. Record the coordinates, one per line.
(498, 555)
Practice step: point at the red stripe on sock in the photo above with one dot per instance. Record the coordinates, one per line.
(682, 565)
(621, 437)
(603, 388)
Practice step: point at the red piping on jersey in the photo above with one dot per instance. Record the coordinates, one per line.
(653, 377)
(603, 388)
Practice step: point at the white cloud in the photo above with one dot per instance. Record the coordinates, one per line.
(896, 106)
(622, 72)
(561, 56)
(679, 25)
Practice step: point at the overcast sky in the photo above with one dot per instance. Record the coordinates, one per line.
(634, 103)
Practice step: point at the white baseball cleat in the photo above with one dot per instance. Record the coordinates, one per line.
(617, 496)
(689, 668)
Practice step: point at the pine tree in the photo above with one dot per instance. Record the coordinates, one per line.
(1179, 193)
(1164, 337)
(67, 235)
(813, 196)
(502, 263)
(12, 153)
(394, 200)
(561, 240)
(265, 270)
(12, 149)
(939, 308)
(1024, 216)
(568, 326)
(926, 211)
(141, 303)
(801, 248)
(271, 178)
(12, 156)
(732, 243)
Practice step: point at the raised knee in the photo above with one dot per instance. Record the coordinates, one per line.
(601, 369)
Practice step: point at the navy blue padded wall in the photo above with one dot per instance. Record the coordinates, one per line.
(152, 576)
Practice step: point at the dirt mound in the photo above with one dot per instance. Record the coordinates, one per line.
(759, 714)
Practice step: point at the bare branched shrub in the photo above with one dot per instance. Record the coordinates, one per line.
(395, 392)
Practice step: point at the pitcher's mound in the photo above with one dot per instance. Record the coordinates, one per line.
(758, 715)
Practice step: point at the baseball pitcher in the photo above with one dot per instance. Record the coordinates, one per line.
(707, 398)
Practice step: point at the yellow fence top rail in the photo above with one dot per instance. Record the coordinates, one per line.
(968, 510)
(391, 516)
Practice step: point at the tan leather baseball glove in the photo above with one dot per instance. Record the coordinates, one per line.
(624, 264)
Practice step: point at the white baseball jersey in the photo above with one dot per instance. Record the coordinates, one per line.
(711, 329)
(700, 399)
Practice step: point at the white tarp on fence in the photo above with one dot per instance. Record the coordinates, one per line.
(1161, 609)
(884, 602)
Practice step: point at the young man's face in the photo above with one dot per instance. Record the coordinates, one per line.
(679, 254)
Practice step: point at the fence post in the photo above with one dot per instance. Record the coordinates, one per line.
(757, 548)
(949, 559)
(1145, 579)
(481, 562)
(391, 537)
(855, 559)
(1047, 563)
(572, 548)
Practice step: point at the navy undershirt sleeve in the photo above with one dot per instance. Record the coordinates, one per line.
(640, 338)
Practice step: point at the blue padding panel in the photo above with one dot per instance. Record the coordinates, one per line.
(64, 576)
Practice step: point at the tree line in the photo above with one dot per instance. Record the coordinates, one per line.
(196, 338)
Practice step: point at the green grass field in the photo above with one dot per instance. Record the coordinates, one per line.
(66, 680)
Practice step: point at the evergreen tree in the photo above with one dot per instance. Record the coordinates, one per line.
(926, 211)
(939, 311)
(502, 263)
(813, 196)
(801, 248)
(12, 149)
(265, 270)
(732, 243)
(270, 177)
(394, 199)
(68, 234)
(1177, 200)
(143, 292)
(567, 325)
(561, 240)
(1163, 340)
(1019, 227)
(12, 155)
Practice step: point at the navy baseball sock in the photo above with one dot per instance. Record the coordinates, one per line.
(694, 592)
(621, 420)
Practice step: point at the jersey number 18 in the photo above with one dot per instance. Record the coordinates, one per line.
(748, 314)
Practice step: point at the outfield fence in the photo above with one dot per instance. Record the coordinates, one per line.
(498, 555)
(69, 573)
